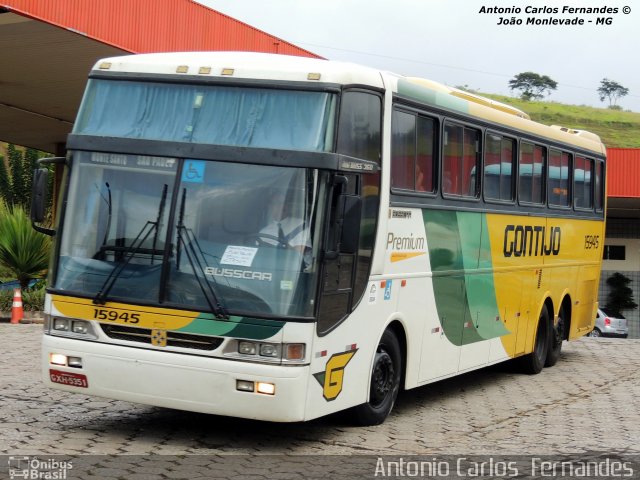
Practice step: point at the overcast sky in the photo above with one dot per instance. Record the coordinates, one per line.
(450, 41)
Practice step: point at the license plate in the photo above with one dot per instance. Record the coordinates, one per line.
(71, 379)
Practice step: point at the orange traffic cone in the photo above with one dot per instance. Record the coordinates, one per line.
(16, 309)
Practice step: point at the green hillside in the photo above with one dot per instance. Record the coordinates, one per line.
(617, 129)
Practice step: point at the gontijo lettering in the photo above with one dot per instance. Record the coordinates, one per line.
(531, 241)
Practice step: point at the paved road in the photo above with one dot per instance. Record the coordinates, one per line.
(588, 402)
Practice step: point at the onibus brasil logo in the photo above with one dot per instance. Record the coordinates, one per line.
(38, 469)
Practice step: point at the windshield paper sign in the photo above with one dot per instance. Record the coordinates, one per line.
(236, 255)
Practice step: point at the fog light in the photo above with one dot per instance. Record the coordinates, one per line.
(58, 359)
(269, 350)
(266, 388)
(294, 351)
(244, 385)
(247, 348)
(61, 324)
(78, 326)
(75, 362)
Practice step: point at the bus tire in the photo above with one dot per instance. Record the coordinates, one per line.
(385, 382)
(534, 362)
(555, 341)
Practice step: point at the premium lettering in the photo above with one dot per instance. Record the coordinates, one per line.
(405, 243)
(531, 241)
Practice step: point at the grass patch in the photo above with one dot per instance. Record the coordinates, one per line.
(616, 128)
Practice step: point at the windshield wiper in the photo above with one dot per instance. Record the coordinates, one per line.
(131, 251)
(192, 248)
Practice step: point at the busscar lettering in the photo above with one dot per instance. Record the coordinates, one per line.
(237, 273)
(531, 241)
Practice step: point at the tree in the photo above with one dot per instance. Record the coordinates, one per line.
(5, 182)
(16, 176)
(612, 91)
(620, 295)
(532, 85)
(23, 251)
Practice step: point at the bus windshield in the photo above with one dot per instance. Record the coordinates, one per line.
(203, 235)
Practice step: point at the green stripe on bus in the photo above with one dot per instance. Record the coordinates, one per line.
(465, 296)
(432, 97)
(480, 287)
(239, 327)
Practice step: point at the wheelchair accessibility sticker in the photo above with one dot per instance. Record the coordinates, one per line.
(193, 171)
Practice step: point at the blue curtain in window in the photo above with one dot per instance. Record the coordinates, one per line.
(250, 117)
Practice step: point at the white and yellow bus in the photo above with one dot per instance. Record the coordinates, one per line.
(438, 232)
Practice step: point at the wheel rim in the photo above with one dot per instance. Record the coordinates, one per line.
(382, 378)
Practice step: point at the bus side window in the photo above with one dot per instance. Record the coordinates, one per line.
(412, 152)
(559, 191)
(531, 173)
(599, 195)
(460, 161)
(582, 183)
(403, 150)
(498, 167)
(360, 125)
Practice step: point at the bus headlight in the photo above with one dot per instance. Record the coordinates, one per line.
(79, 326)
(247, 348)
(61, 324)
(69, 327)
(284, 353)
(269, 350)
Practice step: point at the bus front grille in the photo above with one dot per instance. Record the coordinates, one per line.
(174, 339)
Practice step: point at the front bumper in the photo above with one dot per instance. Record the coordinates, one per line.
(185, 382)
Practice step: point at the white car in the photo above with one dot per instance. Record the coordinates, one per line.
(610, 324)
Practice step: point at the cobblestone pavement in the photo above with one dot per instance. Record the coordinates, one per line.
(588, 402)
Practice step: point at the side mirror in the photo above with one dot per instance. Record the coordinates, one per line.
(344, 234)
(351, 207)
(39, 200)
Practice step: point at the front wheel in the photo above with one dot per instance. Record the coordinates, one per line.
(534, 362)
(385, 382)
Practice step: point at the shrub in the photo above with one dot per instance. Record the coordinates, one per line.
(32, 299)
(23, 251)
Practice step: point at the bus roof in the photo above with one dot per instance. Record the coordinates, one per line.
(275, 67)
(244, 65)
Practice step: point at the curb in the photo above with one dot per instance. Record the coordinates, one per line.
(29, 317)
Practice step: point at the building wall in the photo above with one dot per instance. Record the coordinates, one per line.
(624, 231)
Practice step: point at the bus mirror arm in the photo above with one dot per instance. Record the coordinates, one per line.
(39, 200)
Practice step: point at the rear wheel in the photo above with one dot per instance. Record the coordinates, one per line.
(595, 333)
(385, 382)
(534, 362)
(555, 341)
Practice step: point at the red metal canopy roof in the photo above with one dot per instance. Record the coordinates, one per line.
(143, 26)
(47, 48)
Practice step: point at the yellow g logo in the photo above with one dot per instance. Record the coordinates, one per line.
(331, 379)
